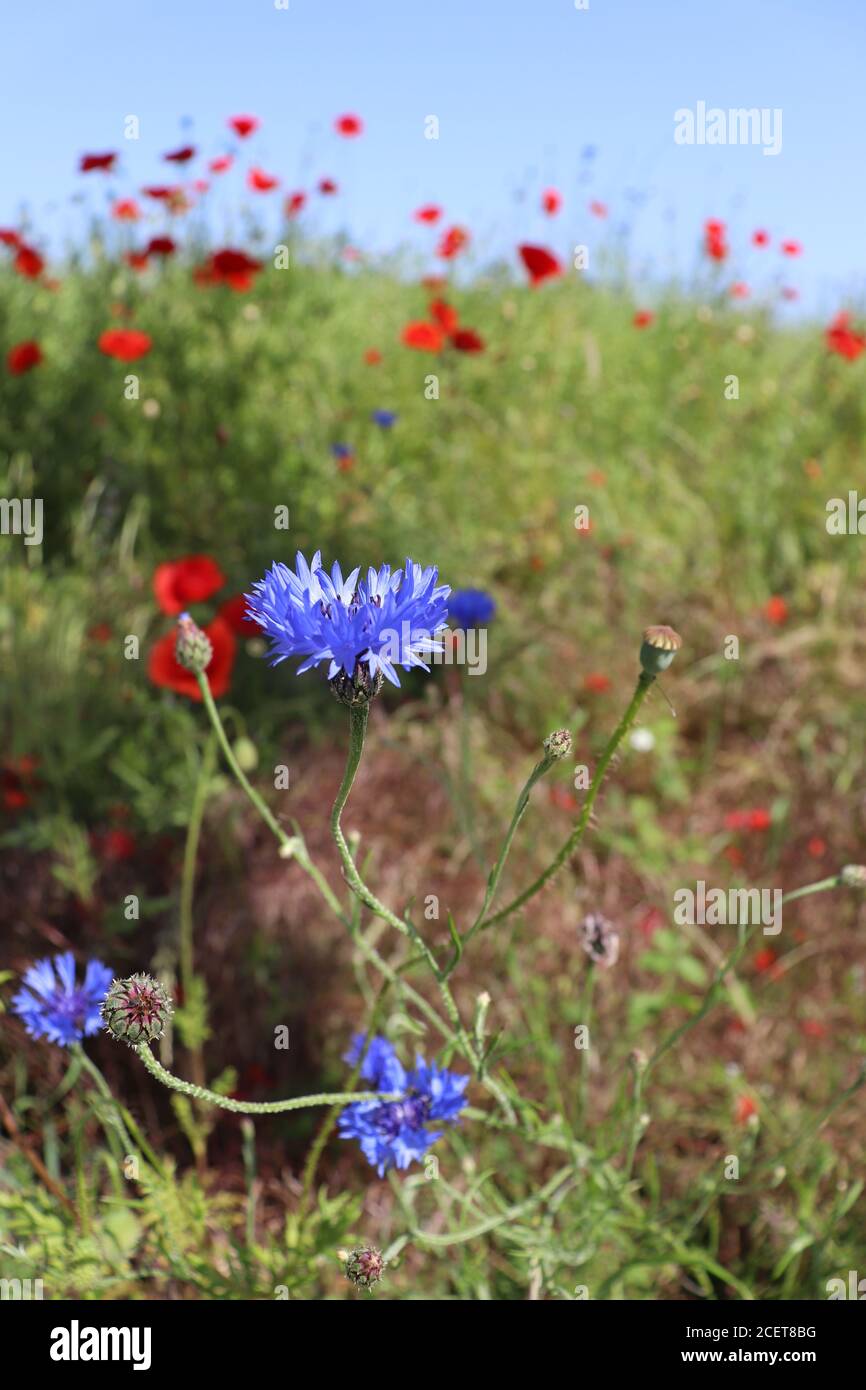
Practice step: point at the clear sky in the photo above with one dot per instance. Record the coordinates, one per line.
(520, 88)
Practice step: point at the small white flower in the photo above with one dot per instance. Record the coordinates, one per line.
(642, 740)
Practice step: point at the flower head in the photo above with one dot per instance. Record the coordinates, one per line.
(363, 628)
(54, 1006)
(660, 646)
(395, 1133)
(364, 1267)
(470, 608)
(136, 1010)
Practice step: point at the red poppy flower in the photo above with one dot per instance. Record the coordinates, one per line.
(643, 318)
(791, 248)
(100, 632)
(715, 243)
(97, 161)
(540, 263)
(739, 290)
(192, 579)
(295, 203)
(760, 238)
(650, 923)
(326, 186)
(551, 201)
(426, 337)
(181, 156)
(348, 126)
(161, 246)
(813, 1028)
(9, 238)
(229, 267)
(221, 164)
(776, 610)
(234, 612)
(428, 213)
(843, 340)
(125, 210)
(138, 260)
(562, 799)
(113, 846)
(817, 847)
(467, 340)
(744, 1109)
(201, 185)
(372, 357)
(165, 670)
(126, 344)
(596, 683)
(453, 241)
(28, 262)
(23, 357)
(260, 182)
(165, 193)
(764, 960)
(244, 125)
(443, 314)
(598, 209)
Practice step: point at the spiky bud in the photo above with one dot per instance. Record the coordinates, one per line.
(558, 744)
(853, 876)
(193, 647)
(136, 1010)
(658, 649)
(365, 1267)
(358, 689)
(599, 940)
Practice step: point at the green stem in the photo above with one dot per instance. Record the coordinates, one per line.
(535, 775)
(250, 1107)
(357, 733)
(586, 1019)
(187, 882)
(644, 683)
(292, 847)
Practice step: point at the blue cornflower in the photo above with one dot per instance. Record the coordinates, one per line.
(385, 418)
(342, 451)
(362, 628)
(395, 1133)
(53, 1006)
(470, 608)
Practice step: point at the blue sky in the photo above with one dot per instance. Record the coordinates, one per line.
(520, 88)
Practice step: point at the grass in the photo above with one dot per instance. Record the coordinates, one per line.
(703, 508)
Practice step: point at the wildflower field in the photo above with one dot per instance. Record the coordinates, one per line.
(531, 966)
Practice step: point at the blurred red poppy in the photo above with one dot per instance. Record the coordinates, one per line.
(598, 209)
(125, 210)
(715, 243)
(326, 186)
(776, 610)
(165, 670)
(372, 357)
(229, 267)
(791, 248)
(221, 164)
(744, 1109)
(426, 337)
(764, 960)
(260, 182)
(551, 201)
(244, 125)
(138, 260)
(739, 290)
(843, 340)
(540, 263)
(596, 683)
(181, 156)
(113, 846)
(349, 126)
(162, 193)
(126, 344)
(234, 612)
(295, 203)
(28, 262)
(788, 292)
(467, 340)
(443, 314)
(757, 819)
(643, 318)
(23, 357)
(453, 241)
(161, 246)
(89, 162)
(192, 579)
(428, 213)
(760, 238)
(8, 237)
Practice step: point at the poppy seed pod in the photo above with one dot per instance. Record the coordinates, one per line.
(193, 647)
(136, 1010)
(660, 646)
